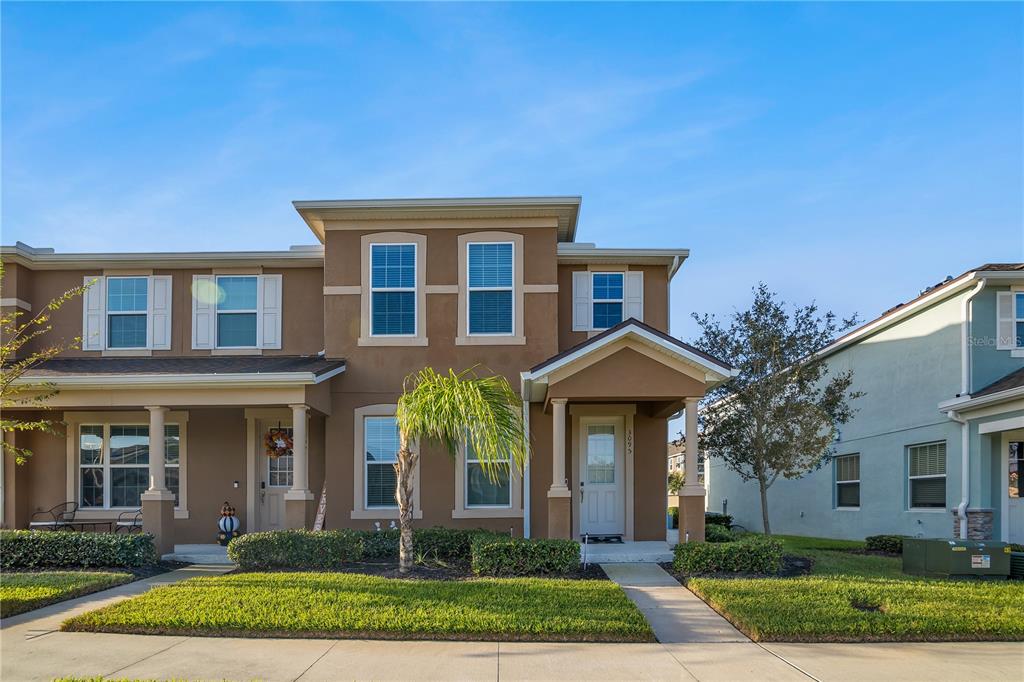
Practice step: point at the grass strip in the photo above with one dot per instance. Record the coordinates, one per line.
(354, 605)
(21, 592)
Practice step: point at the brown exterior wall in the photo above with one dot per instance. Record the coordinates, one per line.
(627, 375)
(655, 300)
(216, 458)
(650, 478)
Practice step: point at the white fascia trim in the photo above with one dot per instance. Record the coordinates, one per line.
(451, 202)
(46, 259)
(253, 380)
(940, 293)
(632, 330)
(964, 403)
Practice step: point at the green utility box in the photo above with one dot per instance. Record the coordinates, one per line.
(956, 558)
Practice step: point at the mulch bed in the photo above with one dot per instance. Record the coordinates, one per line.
(792, 566)
(389, 569)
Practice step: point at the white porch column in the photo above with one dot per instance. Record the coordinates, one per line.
(693, 486)
(157, 476)
(300, 449)
(558, 482)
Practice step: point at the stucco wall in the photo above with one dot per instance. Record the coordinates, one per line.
(989, 363)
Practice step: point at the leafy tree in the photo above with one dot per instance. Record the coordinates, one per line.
(451, 409)
(779, 416)
(15, 336)
(676, 480)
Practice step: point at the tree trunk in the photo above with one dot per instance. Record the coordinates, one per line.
(763, 486)
(406, 466)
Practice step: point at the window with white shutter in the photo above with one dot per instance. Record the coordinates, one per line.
(926, 473)
(126, 313)
(238, 312)
(1009, 320)
(604, 299)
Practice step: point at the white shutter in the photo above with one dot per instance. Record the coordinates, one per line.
(160, 312)
(204, 300)
(270, 311)
(581, 302)
(93, 311)
(633, 296)
(1004, 321)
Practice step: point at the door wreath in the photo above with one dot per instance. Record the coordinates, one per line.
(277, 443)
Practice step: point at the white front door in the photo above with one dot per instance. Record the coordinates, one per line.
(602, 485)
(274, 478)
(1013, 447)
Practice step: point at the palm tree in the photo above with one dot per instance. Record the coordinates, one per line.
(451, 409)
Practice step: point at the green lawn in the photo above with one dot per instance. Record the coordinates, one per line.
(354, 605)
(857, 597)
(20, 592)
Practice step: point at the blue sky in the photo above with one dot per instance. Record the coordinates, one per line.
(851, 154)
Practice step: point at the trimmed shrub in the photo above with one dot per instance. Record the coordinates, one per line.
(714, 518)
(501, 555)
(757, 554)
(295, 549)
(716, 533)
(674, 511)
(23, 549)
(437, 543)
(893, 544)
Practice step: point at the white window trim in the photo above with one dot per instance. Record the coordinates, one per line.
(836, 482)
(463, 510)
(1015, 294)
(511, 289)
(75, 420)
(107, 313)
(270, 460)
(594, 300)
(217, 312)
(517, 337)
(359, 508)
(910, 499)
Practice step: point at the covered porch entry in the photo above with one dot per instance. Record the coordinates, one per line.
(599, 416)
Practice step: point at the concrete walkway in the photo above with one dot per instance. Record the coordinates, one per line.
(675, 613)
(209, 554)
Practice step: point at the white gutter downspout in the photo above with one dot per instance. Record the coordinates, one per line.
(965, 390)
(526, 469)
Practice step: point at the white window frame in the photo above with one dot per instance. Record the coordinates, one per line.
(108, 313)
(466, 461)
(413, 289)
(256, 311)
(910, 498)
(366, 467)
(271, 460)
(594, 300)
(107, 466)
(1016, 319)
(836, 482)
(511, 288)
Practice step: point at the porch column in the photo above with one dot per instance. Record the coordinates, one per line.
(691, 496)
(158, 501)
(559, 496)
(298, 501)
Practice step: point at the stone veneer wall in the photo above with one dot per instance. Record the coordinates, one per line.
(979, 524)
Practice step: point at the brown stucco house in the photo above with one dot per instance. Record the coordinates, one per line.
(237, 357)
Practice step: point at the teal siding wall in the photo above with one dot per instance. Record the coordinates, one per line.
(988, 363)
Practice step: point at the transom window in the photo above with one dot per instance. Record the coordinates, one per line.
(607, 299)
(126, 311)
(380, 446)
(927, 475)
(113, 462)
(393, 289)
(847, 468)
(490, 287)
(236, 311)
(481, 489)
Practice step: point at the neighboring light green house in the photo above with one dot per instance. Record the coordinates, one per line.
(942, 375)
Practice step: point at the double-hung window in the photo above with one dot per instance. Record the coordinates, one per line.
(926, 468)
(607, 290)
(1018, 319)
(847, 470)
(487, 489)
(1010, 320)
(237, 308)
(393, 289)
(113, 463)
(127, 305)
(380, 448)
(490, 288)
